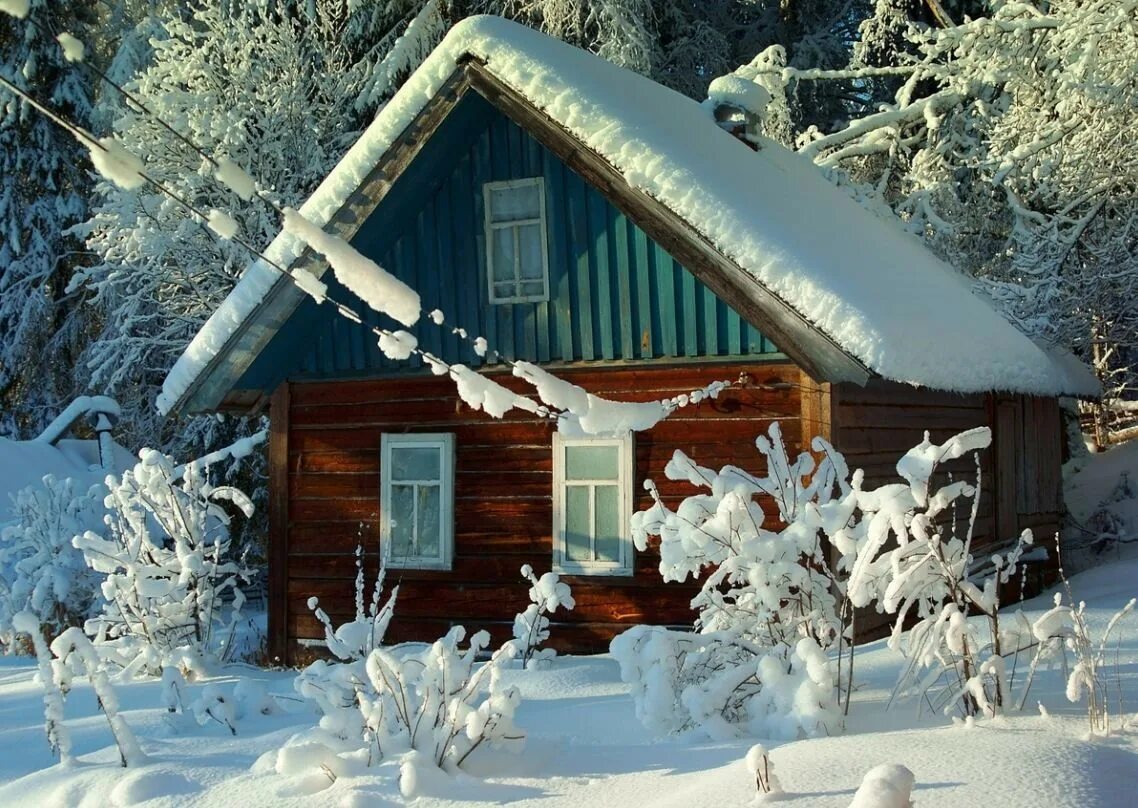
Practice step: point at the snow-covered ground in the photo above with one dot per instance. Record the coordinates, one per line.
(586, 747)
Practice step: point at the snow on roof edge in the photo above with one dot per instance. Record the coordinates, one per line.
(650, 134)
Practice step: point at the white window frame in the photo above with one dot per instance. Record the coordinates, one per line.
(623, 566)
(516, 225)
(444, 442)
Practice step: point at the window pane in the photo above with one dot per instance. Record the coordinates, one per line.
(503, 253)
(531, 289)
(607, 504)
(577, 527)
(402, 521)
(511, 204)
(529, 243)
(429, 521)
(414, 463)
(592, 462)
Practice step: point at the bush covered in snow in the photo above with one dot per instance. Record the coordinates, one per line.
(1063, 629)
(767, 608)
(172, 593)
(437, 701)
(913, 559)
(41, 571)
(531, 627)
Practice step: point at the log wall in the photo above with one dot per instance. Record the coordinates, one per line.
(1020, 472)
(326, 470)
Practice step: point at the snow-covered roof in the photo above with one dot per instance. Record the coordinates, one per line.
(27, 462)
(869, 286)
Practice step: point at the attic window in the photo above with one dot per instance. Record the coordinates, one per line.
(517, 262)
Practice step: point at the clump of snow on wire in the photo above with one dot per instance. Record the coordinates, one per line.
(235, 178)
(374, 285)
(223, 224)
(582, 413)
(115, 163)
(73, 49)
(531, 627)
(398, 345)
(172, 593)
(16, 8)
(41, 571)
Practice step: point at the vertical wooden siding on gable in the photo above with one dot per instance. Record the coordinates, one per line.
(503, 490)
(615, 294)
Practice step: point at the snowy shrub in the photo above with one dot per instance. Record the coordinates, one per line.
(437, 701)
(41, 571)
(762, 769)
(1064, 628)
(914, 560)
(334, 686)
(58, 738)
(75, 653)
(440, 702)
(172, 594)
(767, 611)
(531, 627)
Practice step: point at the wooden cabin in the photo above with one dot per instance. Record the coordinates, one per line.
(585, 219)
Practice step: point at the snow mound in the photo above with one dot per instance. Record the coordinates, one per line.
(151, 784)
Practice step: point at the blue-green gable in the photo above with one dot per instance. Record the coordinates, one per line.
(614, 293)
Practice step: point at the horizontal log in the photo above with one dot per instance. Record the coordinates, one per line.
(852, 416)
(893, 393)
(646, 602)
(648, 379)
(494, 566)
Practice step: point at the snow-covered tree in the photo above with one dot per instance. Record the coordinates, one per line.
(43, 194)
(41, 571)
(270, 92)
(172, 592)
(531, 627)
(1005, 141)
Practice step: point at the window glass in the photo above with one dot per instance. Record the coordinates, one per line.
(577, 527)
(503, 267)
(402, 521)
(415, 463)
(417, 500)
(511, 203)
(607, 509)
(592, 462)
(530, 266)
(592, 505)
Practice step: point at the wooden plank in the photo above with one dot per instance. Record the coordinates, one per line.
(254, 332)
(801, 340)
(278, 548)
(1004, 442)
